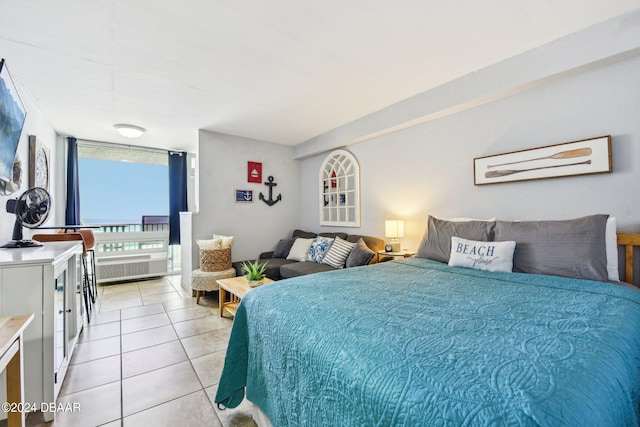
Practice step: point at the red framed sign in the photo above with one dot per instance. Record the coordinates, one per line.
(254, 172)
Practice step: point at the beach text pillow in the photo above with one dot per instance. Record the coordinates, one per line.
(488, 256)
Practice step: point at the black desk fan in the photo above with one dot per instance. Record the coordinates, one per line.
(31, 209)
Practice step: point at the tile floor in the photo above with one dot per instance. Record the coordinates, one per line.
(150, 357)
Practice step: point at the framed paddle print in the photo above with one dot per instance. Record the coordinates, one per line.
(588, 156)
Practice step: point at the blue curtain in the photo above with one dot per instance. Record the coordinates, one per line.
(72, 213)
(177, 193)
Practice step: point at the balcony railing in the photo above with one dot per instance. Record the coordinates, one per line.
(126, 251)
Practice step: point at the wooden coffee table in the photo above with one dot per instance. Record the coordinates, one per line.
(237, 288)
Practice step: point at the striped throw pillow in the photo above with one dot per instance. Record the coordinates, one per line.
(338, 253)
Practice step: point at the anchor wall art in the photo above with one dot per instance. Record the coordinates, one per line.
(270, 201)
(588, 156)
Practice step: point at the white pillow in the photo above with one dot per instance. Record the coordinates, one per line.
(225, 241)
(299, 249)
(611, 246)
(208, 245)
(488, 256)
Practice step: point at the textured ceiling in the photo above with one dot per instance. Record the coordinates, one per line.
(279, 70)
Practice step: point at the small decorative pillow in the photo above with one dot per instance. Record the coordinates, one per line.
(299, 249)
(318, 249)
(360, 255)
(282, 248)
(338, 253)
(488, 256)
(208, 245)
(225, 241)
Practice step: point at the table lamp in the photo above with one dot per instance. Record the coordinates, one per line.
(394, 228)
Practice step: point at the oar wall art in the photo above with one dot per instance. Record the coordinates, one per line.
(583, 157)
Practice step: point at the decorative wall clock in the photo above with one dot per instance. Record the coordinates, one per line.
(39, 156)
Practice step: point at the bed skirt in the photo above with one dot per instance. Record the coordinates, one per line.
(261, 419)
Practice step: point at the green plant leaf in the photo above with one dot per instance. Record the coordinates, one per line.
(254, 270)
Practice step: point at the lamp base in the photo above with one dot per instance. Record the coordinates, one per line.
(395, 246)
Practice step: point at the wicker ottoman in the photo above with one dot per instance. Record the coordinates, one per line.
(202, 281)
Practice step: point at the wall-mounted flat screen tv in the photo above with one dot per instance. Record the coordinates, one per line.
(12, 116)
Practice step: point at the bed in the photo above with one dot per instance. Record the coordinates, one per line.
(420, 342)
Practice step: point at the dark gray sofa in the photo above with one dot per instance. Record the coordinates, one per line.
(282, 268)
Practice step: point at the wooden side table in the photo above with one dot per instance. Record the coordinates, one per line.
(237, 287)
(404, 254)
(11, 355)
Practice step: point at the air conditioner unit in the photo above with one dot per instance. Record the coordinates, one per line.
(126, 267)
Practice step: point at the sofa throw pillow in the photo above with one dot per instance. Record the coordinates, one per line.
(360, 255)
(338, 253)
(318, 249)
(282, 248)
(299, 249)
(488, 256)
(436, 243)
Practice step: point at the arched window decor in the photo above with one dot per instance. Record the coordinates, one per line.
(340, 190)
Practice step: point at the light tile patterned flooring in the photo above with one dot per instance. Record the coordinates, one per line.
(150, 357)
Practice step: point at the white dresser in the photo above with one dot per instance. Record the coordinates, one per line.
(45, 281)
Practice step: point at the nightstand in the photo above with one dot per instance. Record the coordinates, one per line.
(404, 254)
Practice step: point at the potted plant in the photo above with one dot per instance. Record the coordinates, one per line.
(255, 272)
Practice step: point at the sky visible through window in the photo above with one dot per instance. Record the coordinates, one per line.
(117, 192)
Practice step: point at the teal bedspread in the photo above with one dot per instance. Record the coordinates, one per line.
(418, 343)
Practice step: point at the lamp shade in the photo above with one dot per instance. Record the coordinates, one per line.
(394, 228)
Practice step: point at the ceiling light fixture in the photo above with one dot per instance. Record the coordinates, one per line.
(130, 131)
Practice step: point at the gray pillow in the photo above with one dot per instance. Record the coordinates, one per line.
(282, 248)
(360, 255)
(373, 243)
(570, 248)
(436, 243)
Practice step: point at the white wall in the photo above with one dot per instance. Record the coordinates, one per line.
(35, 124)
(428, 168)
(416, 156)
(605, 43)
(223, 169)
